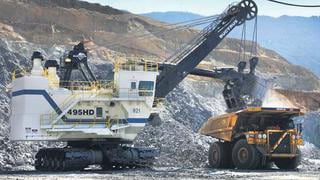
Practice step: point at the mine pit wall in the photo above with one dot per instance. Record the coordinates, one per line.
(276, 99)
(308, 101)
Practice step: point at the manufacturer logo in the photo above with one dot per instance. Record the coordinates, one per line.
(225, 32)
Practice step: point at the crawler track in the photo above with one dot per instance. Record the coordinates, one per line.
(77, 159)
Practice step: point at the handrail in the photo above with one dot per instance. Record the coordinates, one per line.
(85, 85)
(19, 73)
(148, 66)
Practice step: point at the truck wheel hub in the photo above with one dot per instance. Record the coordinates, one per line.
(215, 156)
(243, 155)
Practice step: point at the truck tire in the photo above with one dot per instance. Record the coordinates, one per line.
(288, 163)
(39, 161)
(219, 155)
(245, 156)
(267, 165)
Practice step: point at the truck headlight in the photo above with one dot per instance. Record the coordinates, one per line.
(260, 136)
(264, 136)
(67, 60)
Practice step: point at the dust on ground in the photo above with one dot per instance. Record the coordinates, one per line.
(165, 173)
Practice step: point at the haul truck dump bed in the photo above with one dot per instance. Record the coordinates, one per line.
(255, 137)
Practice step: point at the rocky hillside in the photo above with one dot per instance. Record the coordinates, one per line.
(54, 26)
(294, 37)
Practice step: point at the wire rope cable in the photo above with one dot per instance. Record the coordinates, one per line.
(296, 5)
(117, 42)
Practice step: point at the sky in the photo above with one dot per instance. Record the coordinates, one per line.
(209, 7)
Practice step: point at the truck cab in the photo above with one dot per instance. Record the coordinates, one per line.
(255, 137)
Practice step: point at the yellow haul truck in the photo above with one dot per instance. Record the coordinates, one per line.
(253, 138)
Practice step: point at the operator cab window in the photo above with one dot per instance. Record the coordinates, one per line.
(146, 88)
(99, 112)
(133, 85)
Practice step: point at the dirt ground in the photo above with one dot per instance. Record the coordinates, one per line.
(165, 173)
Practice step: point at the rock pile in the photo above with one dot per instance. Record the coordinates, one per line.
(311, 157)
(178, 145)
(311, 127)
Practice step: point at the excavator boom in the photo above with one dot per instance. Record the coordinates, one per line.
(187, 59)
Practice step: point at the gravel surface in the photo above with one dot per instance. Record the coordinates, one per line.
(167, 173)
